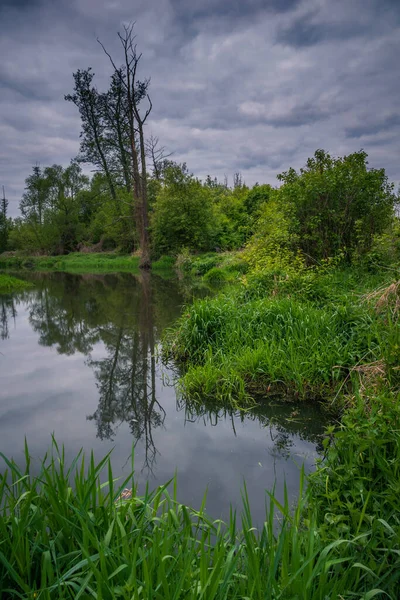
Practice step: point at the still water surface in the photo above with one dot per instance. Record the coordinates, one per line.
(79, 359)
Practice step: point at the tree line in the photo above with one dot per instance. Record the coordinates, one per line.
(139, 200)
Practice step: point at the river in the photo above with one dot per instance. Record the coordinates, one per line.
(79, 358)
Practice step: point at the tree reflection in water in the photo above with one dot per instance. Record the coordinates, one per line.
(116, 321)
(124, 313)
(285, 422)
(126, 378)
(7, 312)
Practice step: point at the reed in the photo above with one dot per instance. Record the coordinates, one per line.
(66, 533)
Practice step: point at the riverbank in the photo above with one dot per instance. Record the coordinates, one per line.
(77, 537)
(314, 335)
(328, 334)
(211, 267)
(81, 263)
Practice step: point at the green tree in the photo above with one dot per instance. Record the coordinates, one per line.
(183, 215)
(36, 197)
(94, 147)
(113, 133)
(256, 197)
(274, 245)
(339, 204)
(50, 210)
(63, 215)
(231, 219)
(4, 223)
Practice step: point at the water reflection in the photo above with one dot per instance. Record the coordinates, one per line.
(8, 314)
(126, 314)
(81, 361)
(284, 423)
(126, 377)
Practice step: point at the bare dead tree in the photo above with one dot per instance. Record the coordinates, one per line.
(136, 91)
(237, 180)
(157, 154)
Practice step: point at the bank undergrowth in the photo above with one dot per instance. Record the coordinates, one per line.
(302, 337)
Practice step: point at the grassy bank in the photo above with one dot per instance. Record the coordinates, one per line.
(11, 284)
(306, 337)
(64, 534)
(82, 263)
(212, 267)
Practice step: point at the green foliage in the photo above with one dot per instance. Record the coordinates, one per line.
(5, 223)
(50, 210)
(112, 224)
(338, 204)
(331, 208)
(22, 237)
(356, 490)
(385, 249)
(165, 263)
(257, 197)
(183, 214)
(221, 266)
(233, 222)
(66, 533)
(216, 275)
(274, 244)
(235, 349)
(199, 265)
(83, 262)
(11, 284)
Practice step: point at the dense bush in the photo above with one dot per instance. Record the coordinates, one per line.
(338, 204)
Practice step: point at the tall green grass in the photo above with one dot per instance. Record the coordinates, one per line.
(302, 337)
(232, 351)
(65, 534)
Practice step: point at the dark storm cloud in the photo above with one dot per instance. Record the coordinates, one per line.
(298, 115)
(312, 27)
(29, 89)
(19, 4)
(250, 86)
(248, 158)
(390, 123)
(303, 32)
(235, 8)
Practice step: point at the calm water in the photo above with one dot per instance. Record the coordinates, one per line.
(78, 359)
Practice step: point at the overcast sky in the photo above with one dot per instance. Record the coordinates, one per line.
(237, 85)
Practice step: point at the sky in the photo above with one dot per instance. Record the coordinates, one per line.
(254, 86)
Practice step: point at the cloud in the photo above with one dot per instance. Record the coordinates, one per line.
(370, 128)
(319, 24)
(250, 86)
